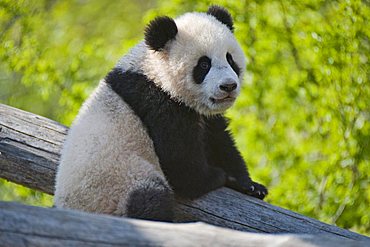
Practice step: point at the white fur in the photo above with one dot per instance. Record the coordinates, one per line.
(106, 155)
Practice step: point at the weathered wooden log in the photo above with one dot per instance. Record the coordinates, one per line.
(33, 226)
(29, 154)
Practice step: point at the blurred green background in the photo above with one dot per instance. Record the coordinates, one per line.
(301, 123)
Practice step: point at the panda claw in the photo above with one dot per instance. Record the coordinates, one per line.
(252, 188)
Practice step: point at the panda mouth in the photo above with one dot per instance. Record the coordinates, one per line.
(226, 99)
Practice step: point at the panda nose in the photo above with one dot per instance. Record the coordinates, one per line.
(228, 86)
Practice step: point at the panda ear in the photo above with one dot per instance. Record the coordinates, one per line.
(222, 15)
(159, 31)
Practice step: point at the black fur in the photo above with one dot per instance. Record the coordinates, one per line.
(153, 201)
(222, 15)
(221, 152)
(232, 63)
(159, 32)
(200, 71)
(193, 156)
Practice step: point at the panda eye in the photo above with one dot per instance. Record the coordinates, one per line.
(232, 63)
(229, 58)
(201, 69)
(204, 65)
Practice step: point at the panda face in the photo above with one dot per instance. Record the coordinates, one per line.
(208, 63)
(218, 82)
(201, 65)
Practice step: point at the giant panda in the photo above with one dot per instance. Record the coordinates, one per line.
(153, 129)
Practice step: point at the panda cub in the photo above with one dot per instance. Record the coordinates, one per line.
(153, 128)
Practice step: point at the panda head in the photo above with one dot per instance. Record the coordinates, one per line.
(196, 59)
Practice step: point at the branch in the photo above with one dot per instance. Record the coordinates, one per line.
(33, 226)
(29, 155)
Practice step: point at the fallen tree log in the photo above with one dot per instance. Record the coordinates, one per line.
(33, 226)
(29, 155)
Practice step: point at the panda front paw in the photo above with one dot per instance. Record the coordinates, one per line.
(256, 190)
(247, 187)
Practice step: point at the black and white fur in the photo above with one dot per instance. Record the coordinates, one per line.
(153, 128)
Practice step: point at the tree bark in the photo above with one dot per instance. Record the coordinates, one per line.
(33, 226)
(29, 155)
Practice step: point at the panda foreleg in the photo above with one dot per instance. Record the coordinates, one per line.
(192, 183)
(184, 162)
(221, 152)
(180, 147)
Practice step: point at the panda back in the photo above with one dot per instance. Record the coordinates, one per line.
(106, 154)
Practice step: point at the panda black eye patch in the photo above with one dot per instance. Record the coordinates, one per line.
(201, 69)
(232, 63)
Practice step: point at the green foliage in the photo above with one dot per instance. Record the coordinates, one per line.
(52, 53)
(301, 123)
(18, 193)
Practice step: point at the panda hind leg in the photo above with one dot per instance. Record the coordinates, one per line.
(152, 200)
